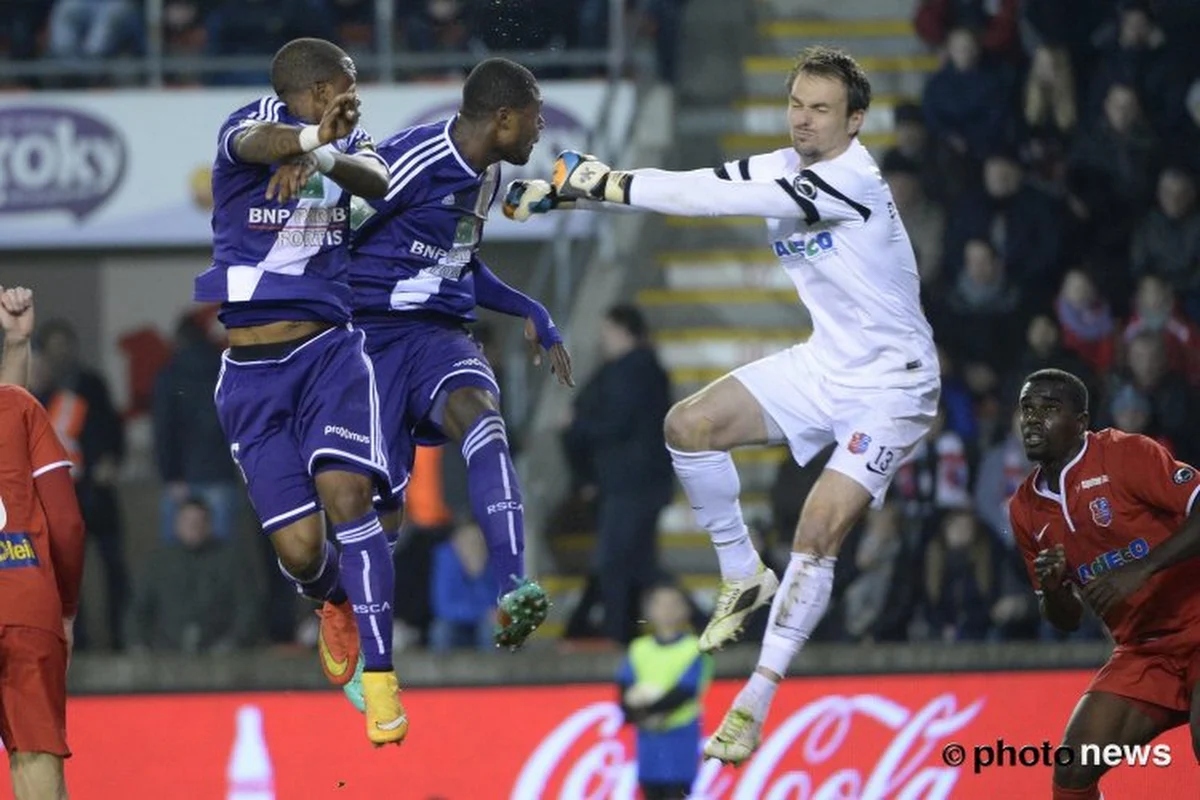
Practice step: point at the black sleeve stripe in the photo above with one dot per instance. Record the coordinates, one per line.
(722, 173)
(820, 183)
(810, 210)
(744, 168)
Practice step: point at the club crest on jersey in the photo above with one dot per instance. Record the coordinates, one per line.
(810, 247)
(16, 550)
(858, 444)
(1184, 475)
(804, 186)
(1101, 511)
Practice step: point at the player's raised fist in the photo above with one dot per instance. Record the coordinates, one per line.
(526, 198)
(340, 119)
(16, 314)
(577, 175)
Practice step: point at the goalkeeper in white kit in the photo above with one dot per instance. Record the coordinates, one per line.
(867, 378)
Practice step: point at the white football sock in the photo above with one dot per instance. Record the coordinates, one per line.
(711, 484)
(756, 695)
(798, 606)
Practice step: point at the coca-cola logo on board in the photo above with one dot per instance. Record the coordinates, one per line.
(862, 746)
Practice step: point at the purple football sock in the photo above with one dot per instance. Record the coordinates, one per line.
(324, 585)
(369, 580)
(496, 497)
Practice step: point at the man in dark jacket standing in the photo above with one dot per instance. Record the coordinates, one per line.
(618, 429)
(193, 458)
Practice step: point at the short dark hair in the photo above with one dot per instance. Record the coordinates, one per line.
(497, 83)
(667, 583)
(1177, 170)
(52, 328)
(301, 63)
(1076, 390)
(629, 317)
(830, 62)
(908, 112)
(195, 501)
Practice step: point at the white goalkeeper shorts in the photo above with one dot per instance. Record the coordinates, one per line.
(876, 430)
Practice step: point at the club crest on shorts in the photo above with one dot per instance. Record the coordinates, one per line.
(1183, 475)
(858, 444)
(1101, 511)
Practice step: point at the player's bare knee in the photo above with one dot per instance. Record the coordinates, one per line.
(345, 496)
(38, 776)
(301, 547)
(687, 428)
(815, 537)
(822, 528)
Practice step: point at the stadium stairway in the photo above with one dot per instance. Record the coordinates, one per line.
(717, 297)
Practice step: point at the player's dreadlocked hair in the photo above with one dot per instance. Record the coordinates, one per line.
(1077, 392)
(829, 62)
(497, 83)
(303, 62)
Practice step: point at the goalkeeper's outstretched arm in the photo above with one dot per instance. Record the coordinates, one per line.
(710, 192)
(700, 193)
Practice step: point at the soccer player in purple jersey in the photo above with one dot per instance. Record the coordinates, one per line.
(417, 278)
(297, 396)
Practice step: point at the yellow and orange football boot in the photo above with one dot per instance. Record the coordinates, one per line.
(387, 723)
(337, 642)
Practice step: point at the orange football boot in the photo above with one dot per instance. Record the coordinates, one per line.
(337, 642)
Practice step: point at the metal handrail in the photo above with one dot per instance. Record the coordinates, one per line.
(382, 66)
(553, 276)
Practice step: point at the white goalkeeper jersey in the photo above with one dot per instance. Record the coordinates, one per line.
(838, 235)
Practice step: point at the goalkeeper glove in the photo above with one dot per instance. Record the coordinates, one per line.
(526, 198)
(578, 176)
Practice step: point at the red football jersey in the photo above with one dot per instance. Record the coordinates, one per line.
(28, 448)
(1123, 495)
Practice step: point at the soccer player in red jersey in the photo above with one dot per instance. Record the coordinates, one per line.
(41, 565)
(1106, 520)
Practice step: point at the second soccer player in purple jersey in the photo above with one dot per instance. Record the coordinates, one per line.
(417, 278)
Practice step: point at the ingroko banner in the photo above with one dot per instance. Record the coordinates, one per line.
(970, 736)
(131, 168)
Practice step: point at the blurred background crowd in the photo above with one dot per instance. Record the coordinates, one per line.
(107, 29)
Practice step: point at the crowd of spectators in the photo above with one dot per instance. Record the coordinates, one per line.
(99, 29)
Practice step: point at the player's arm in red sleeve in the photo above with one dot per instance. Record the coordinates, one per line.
(56, 492)
(1158, 480)
(1057, 597)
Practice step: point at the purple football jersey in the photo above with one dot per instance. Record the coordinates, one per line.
(274, 261)
(412, 250)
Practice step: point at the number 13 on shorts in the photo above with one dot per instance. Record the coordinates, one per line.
(882, 461)
(871, 465)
